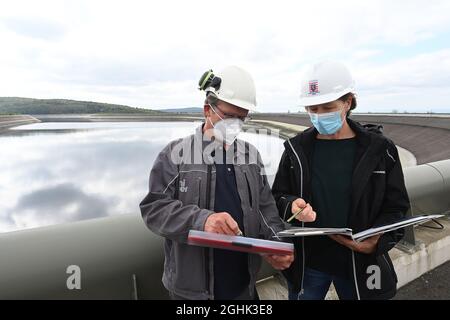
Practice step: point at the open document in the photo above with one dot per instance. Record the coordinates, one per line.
(360, 236)
(237, 243)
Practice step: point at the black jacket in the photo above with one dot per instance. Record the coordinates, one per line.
(378, 197)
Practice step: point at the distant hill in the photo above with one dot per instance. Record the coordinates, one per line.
(183, 110)
(12, 105)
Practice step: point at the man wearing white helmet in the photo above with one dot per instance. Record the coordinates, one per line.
(211, 181)
(349, 175)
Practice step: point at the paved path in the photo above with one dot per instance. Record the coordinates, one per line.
(434, 285)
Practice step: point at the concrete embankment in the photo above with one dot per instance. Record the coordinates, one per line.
(7, 122)
(426, 136)
(117, 117)
(287, 130)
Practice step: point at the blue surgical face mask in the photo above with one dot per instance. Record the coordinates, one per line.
(327, 123)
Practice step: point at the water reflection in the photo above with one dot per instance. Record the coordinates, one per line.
(61, 172)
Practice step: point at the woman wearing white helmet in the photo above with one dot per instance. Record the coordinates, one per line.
(348, 175)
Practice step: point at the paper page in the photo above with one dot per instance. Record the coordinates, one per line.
(360, 236)
(305, 232)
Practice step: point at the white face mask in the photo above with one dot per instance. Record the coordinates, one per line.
(226, 130)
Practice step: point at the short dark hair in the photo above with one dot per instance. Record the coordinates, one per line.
(345, 97)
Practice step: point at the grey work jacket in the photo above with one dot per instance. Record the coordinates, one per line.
(181, 180)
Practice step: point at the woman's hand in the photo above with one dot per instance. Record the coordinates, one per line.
(307, 215)
(367, 246)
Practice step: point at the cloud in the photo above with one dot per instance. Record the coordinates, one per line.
(61, 203)
(419, 83)
(63, 176)
(365, 54)
(429, 70)
(35, 28)
(145, 54)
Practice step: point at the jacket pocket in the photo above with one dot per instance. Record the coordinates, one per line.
(189, 188)
(169, 260)
(388, 278)
(199, 192)
(190, 268)
(249, 190)
(378, 187)
(376, 276)
(390, 266)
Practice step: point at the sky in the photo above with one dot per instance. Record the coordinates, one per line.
(151, 54)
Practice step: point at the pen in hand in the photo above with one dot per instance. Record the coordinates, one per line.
(295, 214)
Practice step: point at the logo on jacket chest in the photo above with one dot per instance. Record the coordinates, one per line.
(183, 187)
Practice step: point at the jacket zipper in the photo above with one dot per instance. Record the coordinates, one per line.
(285, 209)
(303, 224)
(302, 290)
(200, 192)
(301, 168)
(354, 275)
(207, 250)
(389, 266)
(251, 287)
(250, 198)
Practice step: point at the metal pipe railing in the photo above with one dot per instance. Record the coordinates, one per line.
(119, 258)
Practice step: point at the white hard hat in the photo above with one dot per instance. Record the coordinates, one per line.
(325, 82)
(233, 85)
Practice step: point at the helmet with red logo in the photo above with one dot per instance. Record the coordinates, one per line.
(325, 82)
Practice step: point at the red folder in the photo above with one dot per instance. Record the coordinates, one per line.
(236, 243)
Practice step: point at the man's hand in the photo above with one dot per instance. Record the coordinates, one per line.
(279, 262)
(307, 215)
(222, 223)
(367, 246)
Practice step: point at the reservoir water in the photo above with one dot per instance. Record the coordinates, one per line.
(70, 171)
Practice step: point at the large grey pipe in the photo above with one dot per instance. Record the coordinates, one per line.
(119, 258)
(429, 187)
